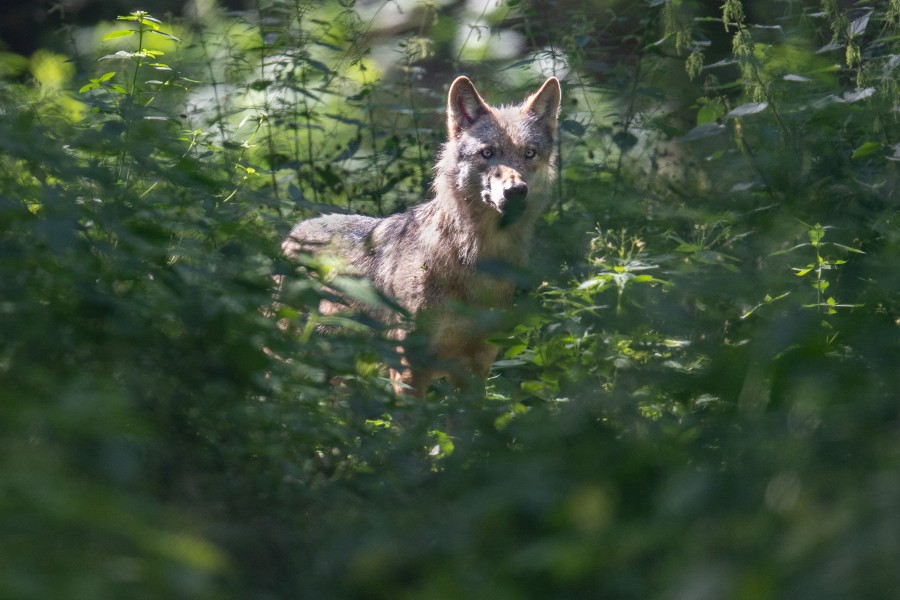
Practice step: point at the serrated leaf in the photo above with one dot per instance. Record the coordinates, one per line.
(858, 26)
(119, 54)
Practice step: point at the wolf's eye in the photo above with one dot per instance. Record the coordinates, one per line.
(487, 152)
(530, 152)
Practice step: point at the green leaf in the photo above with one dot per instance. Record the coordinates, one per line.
(646, 279)
(119, 54)
(816, 234)
(867, 149)
(788, 250)
(152, 23)
(516, 350)
(703, 130)
(709, 114)
(93, 85)
(119, 34)
(509, 362)
(748, 109)
(848, 248)
(165, 35)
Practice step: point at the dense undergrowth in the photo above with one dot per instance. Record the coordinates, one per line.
(696, 395)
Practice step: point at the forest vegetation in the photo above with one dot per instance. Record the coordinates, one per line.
(696, 395)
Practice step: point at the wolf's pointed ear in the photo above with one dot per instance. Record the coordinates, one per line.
(544, 103)
(464, 106)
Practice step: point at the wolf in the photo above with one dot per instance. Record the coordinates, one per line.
(448, 260)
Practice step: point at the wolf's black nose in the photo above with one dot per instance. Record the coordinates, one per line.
(515, 192)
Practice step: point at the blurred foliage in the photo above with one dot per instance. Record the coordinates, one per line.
(696, 394)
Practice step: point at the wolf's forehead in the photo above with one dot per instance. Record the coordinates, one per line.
(507, 125)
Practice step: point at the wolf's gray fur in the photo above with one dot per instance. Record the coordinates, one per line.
(489, 190)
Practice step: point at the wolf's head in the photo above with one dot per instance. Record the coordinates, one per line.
(495, 156)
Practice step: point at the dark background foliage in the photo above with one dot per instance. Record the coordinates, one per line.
(695, 396)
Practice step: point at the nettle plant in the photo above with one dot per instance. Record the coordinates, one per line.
(135, 90)
(819, 272)
(620, 261)
(129, 101)
(816, 272)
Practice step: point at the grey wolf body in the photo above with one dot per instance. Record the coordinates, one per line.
(439, 259)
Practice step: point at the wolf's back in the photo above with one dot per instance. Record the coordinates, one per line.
(340, 236)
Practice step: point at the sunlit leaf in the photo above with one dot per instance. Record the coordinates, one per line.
(747, 109)
(867, 149)
(119, 34)
(858, 25)
(121, 54)
(152, 23)
(709, 114)
(165, 35)
(703, 131)
(858, 94)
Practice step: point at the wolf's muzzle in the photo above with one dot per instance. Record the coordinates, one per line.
(513, 203)
(515, 193)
